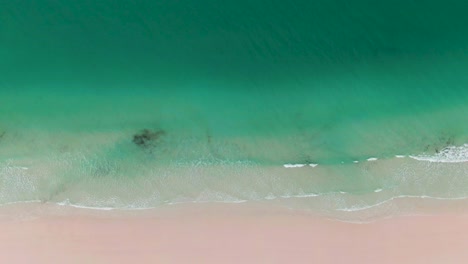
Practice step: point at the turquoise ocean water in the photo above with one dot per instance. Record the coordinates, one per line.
(229, 92)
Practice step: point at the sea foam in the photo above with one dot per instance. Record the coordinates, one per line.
(294, 165)
(451, 154)
(367, 207)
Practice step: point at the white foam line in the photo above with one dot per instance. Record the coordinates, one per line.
(16, 167)
(67, 203)
(21, 202)
(356, 209)
(352, 209)
(371, 159)
(356, 161)
(437, 159)
(313, 165)
(304, 195)
(299, 196)
(202, 202)
(60, 204)
(293, 165)
(453, 154)
(400, 156)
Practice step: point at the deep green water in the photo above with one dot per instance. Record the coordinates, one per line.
(231, 83)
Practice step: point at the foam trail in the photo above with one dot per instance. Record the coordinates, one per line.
(355, 209)
(293, 165)
(453, 154)
(67, 203)
(299, 196)
(21, 202)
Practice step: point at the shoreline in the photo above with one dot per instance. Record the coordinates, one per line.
(226, 233)
(398, 206)
(342, 187)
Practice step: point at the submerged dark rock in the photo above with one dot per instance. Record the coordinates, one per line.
(445, 142)
(147, 137)
(450, 141)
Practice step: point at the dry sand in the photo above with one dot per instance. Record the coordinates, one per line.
(230, 234)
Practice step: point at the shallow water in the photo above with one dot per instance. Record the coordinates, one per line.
(237, 90)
